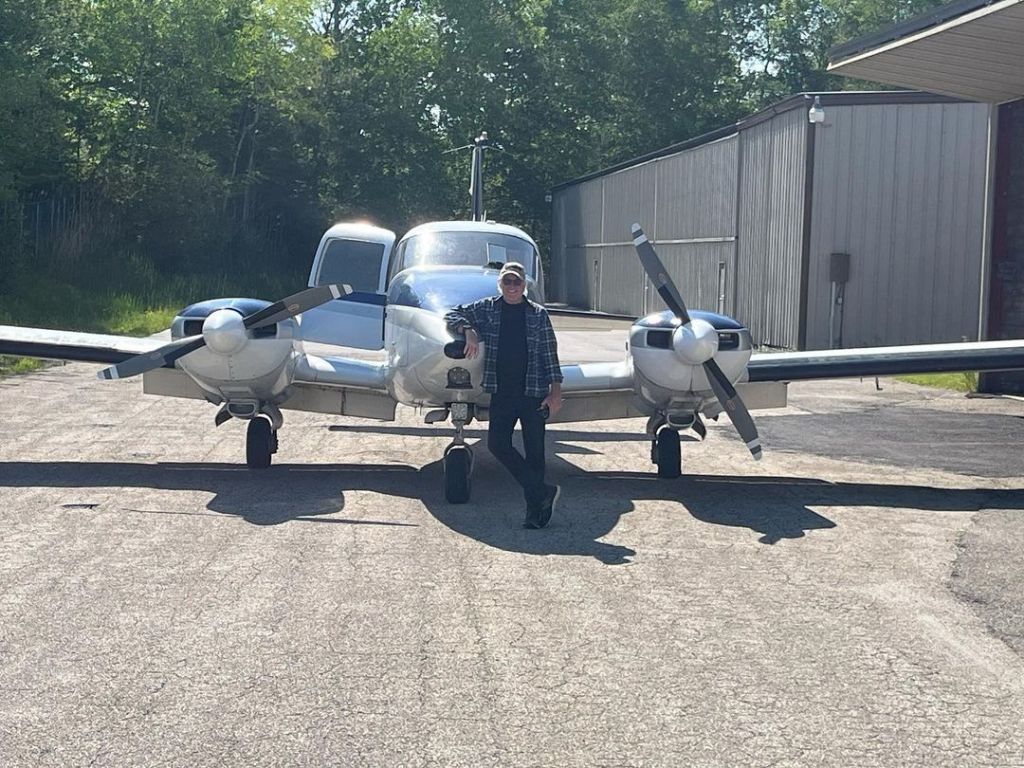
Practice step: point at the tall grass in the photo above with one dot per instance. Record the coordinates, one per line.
(131, 304)
(963, 381)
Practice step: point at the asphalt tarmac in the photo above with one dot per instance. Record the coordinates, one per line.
(855, 599)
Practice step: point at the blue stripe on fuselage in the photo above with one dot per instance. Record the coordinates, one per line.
(365, 297)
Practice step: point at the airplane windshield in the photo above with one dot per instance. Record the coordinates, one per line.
(467, 249)
(440, 291)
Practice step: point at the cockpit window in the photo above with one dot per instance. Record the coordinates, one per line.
(472, 249)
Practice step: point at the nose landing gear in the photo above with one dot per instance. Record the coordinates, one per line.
(458, 458)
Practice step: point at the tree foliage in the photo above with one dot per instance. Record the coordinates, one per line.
(219, 135)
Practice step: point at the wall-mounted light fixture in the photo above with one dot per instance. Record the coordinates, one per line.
(816, 114)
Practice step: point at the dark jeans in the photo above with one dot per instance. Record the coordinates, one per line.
(529, 470)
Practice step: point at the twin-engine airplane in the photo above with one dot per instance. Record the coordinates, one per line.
(254, 358)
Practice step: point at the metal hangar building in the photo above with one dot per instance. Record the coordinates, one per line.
(838, 232)
(973, 50)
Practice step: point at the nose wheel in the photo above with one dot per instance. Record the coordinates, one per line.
(260, 443)
(458, 471)
(458, 458)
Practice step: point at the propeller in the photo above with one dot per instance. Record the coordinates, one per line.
(225, 331)
(720, 384)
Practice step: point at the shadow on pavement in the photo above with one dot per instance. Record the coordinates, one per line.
(775, 507)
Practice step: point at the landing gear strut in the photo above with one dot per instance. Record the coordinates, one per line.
(458, 458)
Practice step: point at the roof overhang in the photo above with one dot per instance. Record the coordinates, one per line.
(971, 49)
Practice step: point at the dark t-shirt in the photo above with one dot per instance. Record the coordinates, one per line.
(512, 349)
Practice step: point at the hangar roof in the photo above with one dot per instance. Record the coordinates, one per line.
(973, 49)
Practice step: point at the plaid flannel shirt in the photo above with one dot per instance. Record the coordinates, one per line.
(484, 316)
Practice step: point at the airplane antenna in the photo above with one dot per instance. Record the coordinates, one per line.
(476, 175)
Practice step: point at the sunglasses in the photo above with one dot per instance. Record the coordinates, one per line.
(509, 280)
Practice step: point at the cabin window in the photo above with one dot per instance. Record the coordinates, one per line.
(352, 262)
(464, 248)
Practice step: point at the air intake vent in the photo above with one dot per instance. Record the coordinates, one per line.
(266, 332)
(659, 339)
(192, 327)
(728, 340)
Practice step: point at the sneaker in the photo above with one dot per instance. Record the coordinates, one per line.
(532, 519)
(547, 506)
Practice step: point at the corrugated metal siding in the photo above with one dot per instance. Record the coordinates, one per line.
(771, 222)
(694, 269)
(690, 195)
(579, 284)
(898, 186)
(628, 197)
(620, 280)
(901, 189)
(696, 193)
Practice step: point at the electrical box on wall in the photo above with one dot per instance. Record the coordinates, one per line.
(838, 267)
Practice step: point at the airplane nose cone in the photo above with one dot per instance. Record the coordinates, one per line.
(696, 342)
(224, 331)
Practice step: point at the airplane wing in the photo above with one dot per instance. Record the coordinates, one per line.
(323, 384)
(73, 345)
(887, 361)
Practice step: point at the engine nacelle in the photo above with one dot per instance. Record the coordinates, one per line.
(668, 356)
(237, 364)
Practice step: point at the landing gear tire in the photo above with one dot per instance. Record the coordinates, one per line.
(260, 443)
(458, 468)
(667, 454)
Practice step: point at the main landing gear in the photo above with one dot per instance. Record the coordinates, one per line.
(666, 452)
(261, 432)
(458, 457)
(260, 443)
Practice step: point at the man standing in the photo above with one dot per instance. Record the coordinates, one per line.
(523, 376)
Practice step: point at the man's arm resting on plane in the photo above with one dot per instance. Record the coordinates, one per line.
(465, 317)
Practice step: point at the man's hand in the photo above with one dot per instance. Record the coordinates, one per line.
(553, 401)
(472, 344)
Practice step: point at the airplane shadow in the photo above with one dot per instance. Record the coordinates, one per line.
(270, 496)
(777, 508)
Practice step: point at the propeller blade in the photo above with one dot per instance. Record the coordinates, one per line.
(658, 274)
(720, 384)
(149, 361)
(733, 405)
(296, 304)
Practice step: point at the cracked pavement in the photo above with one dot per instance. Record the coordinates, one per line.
(854, 599)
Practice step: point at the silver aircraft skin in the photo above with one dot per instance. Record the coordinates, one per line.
(254, 358)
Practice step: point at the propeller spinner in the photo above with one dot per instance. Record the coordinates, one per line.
(224, 331)
(693, 344)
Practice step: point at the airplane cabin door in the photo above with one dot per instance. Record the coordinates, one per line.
(356, 255)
